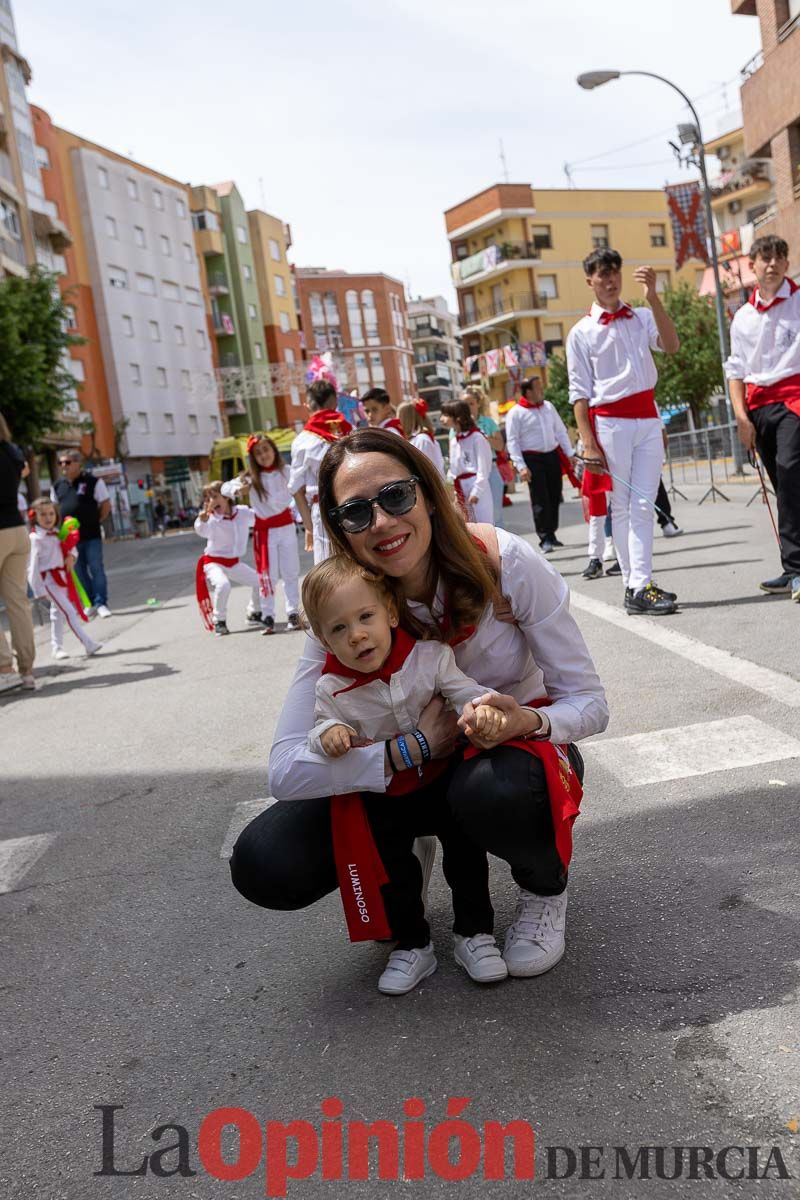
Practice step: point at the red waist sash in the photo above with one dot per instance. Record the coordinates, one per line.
(261, 546)
(639, 406)
(564, 789)
(459, 490)
(785, 391)
(64, 579)
(201, 586)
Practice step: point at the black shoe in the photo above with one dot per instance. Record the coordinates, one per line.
(254, 618)
(269, 625)
(648, 601)
(547, 547)
(558, 545)
(778, 586)
(293, 621)
(614, 568)
(220, 629)
(594, 569)
(661, 592)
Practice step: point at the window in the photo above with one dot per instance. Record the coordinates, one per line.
(171, 290)
(138, 236)
(117, 277)
(133, 188)
(699, 276)
(288, 356)
(193, 426)
(186, 381)
(258, 350)
(294, 392)
(102, 178)
(274, 250)
(469, 308)
(205, 220)
(280, 285)
(187, 253)
(285, 322)
(541, 236)
(370, 317)
(599, 236)
(179, 335)
(143, 422)
(164, 242)
(158, 199)
(111, 227)
(248, 274)
(136, 373)
(193, 295)
(180, 208)
(241, 234)
(662, 281)
(252, 312)
(42, 157)
(362, 370)
(72, 317)
(155, 332)
(76, 369)
(10, 218)
(127, 326)
(214, 424)
(146, 285)
(376, 366)
(552, 331)
(547, 285)
(354, 318)
(161, 376)
(658, 235)
(200, 338)
(169, 422)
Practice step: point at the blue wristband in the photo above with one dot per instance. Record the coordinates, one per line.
(404, 754)
(422, 742)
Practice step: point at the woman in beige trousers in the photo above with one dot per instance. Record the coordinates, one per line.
(14, 551)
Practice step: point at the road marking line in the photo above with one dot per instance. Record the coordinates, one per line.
(772, 684)
(17, 856)
(692, 750)
(243, 814)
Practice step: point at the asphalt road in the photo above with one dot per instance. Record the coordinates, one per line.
(134, 975)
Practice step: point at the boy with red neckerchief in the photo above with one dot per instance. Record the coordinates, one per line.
(612, 379)
(380, 410)
(324, 426)
(764, 375)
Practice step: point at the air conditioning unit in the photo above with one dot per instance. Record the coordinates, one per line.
(723, 153)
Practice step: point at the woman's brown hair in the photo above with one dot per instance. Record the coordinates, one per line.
(469, 579)
(458, 410)
(255, 469)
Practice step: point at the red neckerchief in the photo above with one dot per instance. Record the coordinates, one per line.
(392, 423)
(402, 645)
(461, 436)
(623, 313)
(523, 402)
(276, 466)
(761, 307)
(328, 424)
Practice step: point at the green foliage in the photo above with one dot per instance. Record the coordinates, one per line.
(35, 383)
(693, 374)
(557, 390)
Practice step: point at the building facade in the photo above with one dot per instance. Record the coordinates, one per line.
(363, 321)
(517, 264)
(770, 95)
(271, 240)
(437, 351)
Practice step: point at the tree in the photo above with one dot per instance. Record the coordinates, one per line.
(557, 390)
(694, 374)
(35, 383)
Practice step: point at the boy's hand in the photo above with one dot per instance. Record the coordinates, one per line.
(309, 541)
(336, 741)
(70, 561)
(594, 459)
(205, 514)
(646, 276)
(489, 722)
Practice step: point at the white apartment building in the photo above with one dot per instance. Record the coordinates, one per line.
(437, 350)
(150, 312)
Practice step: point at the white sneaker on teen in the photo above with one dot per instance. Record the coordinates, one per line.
(609, 553)
(9, 680)
(103, 610)
(60, 652)
(671, 529)
(405, 969)
(480, 957)
(93, 649)
(425, 850)
(535, 940)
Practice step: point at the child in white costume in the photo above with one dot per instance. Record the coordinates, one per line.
(418, 430)
(470, 463)
(49, 576)
(226, 527)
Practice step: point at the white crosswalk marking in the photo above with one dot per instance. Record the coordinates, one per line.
(243, 814)
(17, 856)
(692, 750)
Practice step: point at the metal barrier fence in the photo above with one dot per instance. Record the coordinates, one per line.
(711, 455)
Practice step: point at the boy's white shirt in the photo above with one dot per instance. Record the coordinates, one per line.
(377, 710)
(227, 537)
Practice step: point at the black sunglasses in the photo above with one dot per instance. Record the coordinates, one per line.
(394, 498)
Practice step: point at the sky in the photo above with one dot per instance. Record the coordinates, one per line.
(360, 121)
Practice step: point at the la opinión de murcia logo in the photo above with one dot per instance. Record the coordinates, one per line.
(411, 1151)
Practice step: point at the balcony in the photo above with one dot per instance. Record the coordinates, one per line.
(747, 180)
(426, 331)
(752, 65)
(223, 325)
(209, 242)
(492, 258)
(519, 304)
(218, 283)
(13, 250)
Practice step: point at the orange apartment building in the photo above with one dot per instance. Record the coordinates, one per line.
(271, 239)
(363, 321)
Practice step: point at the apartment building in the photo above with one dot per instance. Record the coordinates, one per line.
(437, 350)
(362, 320)
(770, 95)
(516, 264)
(271, 240)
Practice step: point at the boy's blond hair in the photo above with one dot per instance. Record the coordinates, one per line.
(323, 579)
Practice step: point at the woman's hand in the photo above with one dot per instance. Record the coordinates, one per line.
(520, 721)
(439, 725)
(473, 499)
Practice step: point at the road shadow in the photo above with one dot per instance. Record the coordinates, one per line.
(98, 682)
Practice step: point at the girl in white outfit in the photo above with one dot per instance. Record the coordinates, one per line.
(470, 463)
(419, 431)
(226, 526)
(49, 576)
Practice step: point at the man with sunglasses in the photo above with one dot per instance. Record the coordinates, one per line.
(81, 495)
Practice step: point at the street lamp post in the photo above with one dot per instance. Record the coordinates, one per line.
(594, 79)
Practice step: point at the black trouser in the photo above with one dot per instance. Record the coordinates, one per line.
(664, 517)
(496, 802)
(545, 491)
(778, 443)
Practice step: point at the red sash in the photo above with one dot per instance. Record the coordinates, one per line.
(639, 406)
(567, 468)
(201, 587)
(64, 579)
(594, 487)
(261, 546)
(329, 424)
(563, 786)
(785, 391)
(459, 490)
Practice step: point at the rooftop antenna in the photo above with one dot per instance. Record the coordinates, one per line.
(503, 162)
(568, 172)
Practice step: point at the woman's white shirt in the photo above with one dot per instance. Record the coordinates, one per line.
(430, 448)
(542, 654)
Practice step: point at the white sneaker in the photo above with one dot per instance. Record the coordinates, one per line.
(405, 969)
(28, 683)
(425, 850)
(93, 649)
(9, 680)
(60, 652)
(609, 553)
(103, 610)
(480, 957)
(671, 529)
(535, 941)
